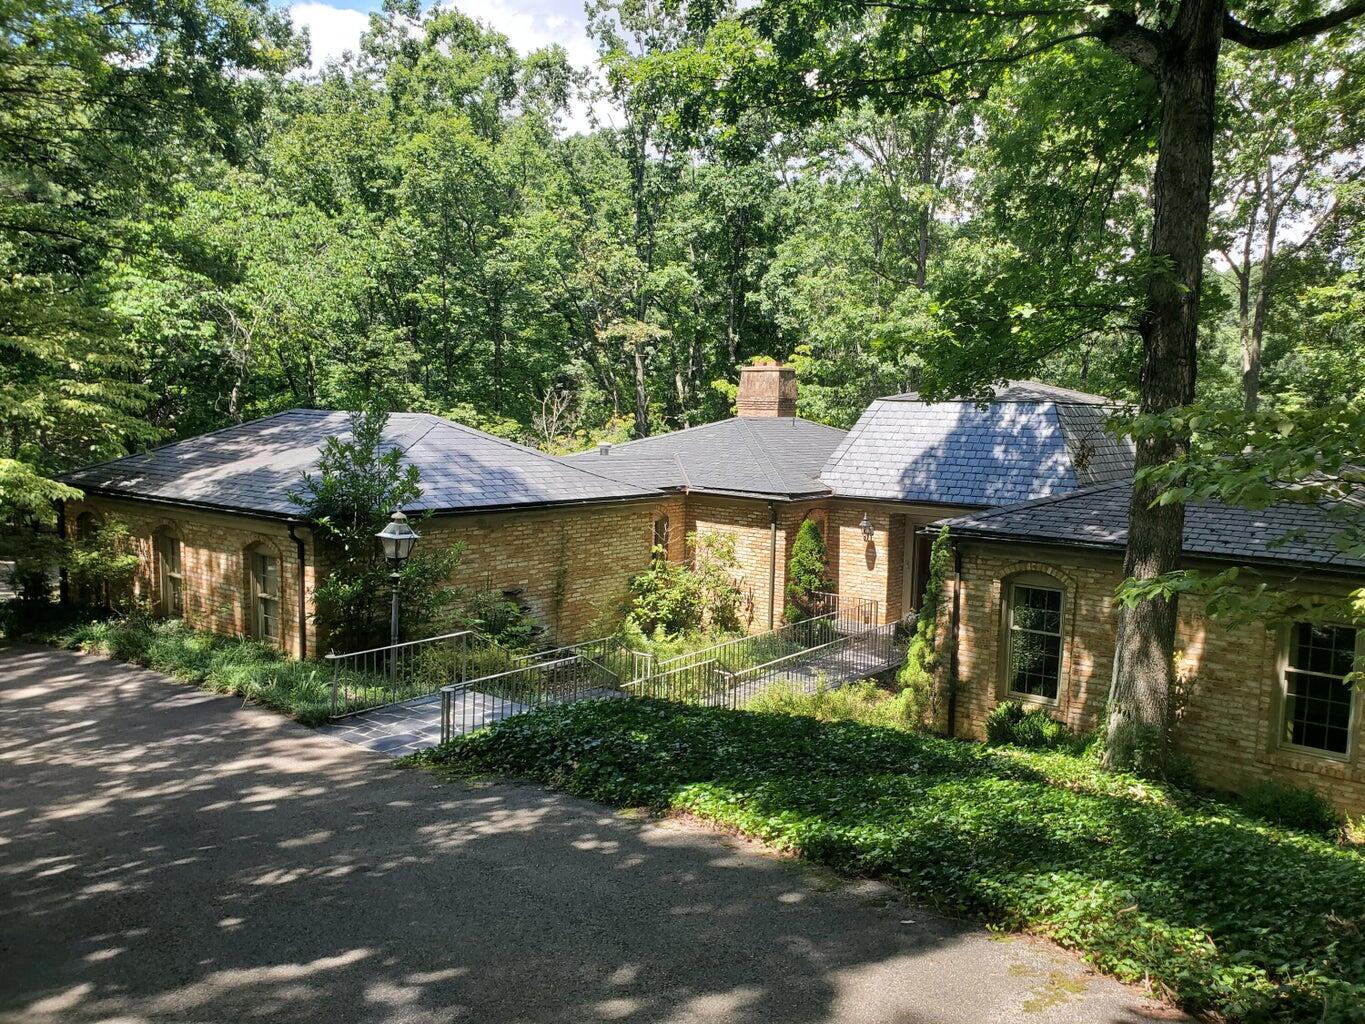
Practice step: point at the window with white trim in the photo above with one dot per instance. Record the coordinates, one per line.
(170, 577)
(1035, 640)
(1318, 701)
(265, 594)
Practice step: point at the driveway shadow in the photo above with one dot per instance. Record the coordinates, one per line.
(166, 855)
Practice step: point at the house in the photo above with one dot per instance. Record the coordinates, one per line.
(1033, 489)
(223, 546)
(1032, 618)
(906, 463)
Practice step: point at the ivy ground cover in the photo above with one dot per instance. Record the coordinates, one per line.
(1215, 910)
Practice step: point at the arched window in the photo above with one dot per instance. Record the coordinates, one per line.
(263, 575)
(661, 533)
(85, 526)
(1033, 620)
(170, 579)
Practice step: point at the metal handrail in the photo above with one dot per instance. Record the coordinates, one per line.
(334, 655)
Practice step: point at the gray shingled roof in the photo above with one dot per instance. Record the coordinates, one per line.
(1030, 441)
(1291, 533)
(765, 456)
(252, 467)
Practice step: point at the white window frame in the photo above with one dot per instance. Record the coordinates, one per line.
(1034, 582)
(1282, 720)
(257, 559)
(170, 582)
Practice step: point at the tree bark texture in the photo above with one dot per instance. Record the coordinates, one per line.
(1138, 735)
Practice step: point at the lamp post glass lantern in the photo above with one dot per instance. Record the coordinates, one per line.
(397, 539)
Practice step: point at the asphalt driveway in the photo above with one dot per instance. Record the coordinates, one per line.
(171, 856)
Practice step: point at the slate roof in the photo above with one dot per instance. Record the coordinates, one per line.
(760, 456)
(1290, 533)
(253, 466)
(1029, 441)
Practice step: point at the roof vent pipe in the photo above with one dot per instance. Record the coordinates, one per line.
(603, 447)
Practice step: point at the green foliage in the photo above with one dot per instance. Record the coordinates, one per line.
(360, 482)
(1301, 808)
(807, 570)
(674, 599)
(863, 702)
(106, 106)
(102, 566)
(918, 676)
(1147, 888)
(502, 617)
(1010, 723)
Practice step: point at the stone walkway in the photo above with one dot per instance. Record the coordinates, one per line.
(401, 729)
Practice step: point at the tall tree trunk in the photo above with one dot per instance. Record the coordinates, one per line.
(1253, 336)
(641, 395)
(1139, 722)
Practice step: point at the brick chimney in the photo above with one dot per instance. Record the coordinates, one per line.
(767, 390)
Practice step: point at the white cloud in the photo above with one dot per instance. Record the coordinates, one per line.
(332, 30)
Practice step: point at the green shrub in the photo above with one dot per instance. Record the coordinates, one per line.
(1301, 808)
(916, 677)
(1148, 887)
(237, 666)
(502, 617)
(676, 599)
(1009, 723)
(808, 570)
(853, 702)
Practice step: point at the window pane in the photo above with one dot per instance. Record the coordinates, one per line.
(1327, 649)
(1317, 712)
(267, 572)
(1037, 609)
(1036, 663)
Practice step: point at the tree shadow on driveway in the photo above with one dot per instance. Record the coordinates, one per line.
(166, 855)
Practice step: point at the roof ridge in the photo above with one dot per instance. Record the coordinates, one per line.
(533, 451)
(850, 437)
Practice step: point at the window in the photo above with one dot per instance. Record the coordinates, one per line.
(661, 534)
(170, 579)
(265, 594)
(1317, 699)
(85, 526)
(1035, 640)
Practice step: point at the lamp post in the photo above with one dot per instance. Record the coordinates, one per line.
(397, 539)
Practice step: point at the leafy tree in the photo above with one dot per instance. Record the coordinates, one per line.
(105, 106)
(810, 57)
(807, 570)
(360, 482)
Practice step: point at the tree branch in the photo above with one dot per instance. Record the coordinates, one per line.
(1257, 39)
(1135, 43)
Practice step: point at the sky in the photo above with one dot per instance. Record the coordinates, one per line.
(335, 25)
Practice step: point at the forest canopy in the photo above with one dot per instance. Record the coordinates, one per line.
(195, 232)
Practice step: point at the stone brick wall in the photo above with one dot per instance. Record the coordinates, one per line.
(868, 569)
(748, 522)
(573, 565)
(213, 562)
(1229, 704)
